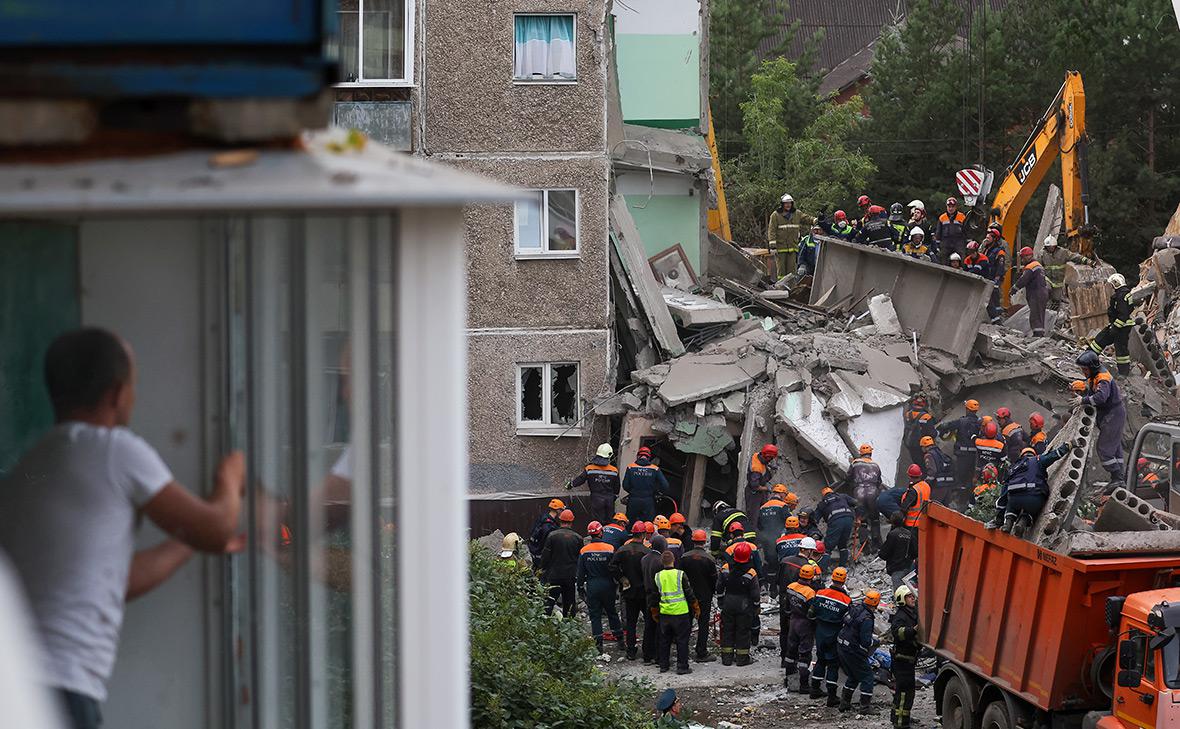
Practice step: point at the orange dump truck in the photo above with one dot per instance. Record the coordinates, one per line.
(1033, 638)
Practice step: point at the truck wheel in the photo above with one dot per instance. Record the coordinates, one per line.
(996, 717)
(956, 706)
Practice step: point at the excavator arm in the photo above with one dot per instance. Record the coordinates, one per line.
(1061, 131)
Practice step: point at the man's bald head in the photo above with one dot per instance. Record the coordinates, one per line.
(88, 370)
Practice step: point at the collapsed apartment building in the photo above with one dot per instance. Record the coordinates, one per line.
(833, 364)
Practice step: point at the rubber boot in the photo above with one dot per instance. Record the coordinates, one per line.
(788, 671)
(845, 700)
(682, 670)
(817, 688)
(832, 700)
(1124, 369)
(705, 658)
(1009, 522)
(743, 659)
(992, 524)
(804, 681)
(866, 705)
(598, 643)
(1024, 525)
(726, 658)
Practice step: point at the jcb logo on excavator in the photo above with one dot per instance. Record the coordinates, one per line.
(1025, 166)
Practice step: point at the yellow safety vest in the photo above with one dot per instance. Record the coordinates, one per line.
(671, 585)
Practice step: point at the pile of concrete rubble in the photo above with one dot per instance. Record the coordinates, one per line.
(820, 373)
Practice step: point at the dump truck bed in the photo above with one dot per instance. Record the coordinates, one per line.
(1025, 618)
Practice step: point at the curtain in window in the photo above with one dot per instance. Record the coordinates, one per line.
(545, 46)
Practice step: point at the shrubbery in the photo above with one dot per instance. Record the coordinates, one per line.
(529, 671)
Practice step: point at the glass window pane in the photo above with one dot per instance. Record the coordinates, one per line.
(384, 30)
(348, 48)
(564, 390)
(528, 223)
(563, 220)
(532, 408)
(544, 47)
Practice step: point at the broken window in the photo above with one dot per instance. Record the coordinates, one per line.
(548, 397)
(374, 39)
(547, 224)
(544, 48)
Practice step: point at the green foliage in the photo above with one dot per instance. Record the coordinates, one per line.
(984, 508)
(529, 671)
(795, 144)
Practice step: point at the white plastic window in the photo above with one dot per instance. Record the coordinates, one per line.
(376, 41)
(545, 48)
(548, 398)
(547, 224)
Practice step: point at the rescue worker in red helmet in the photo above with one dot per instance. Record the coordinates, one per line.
(876, 231)
(1011, 433)
(989, 449)
(1036, 290)
(737, 534)
(950, 232)
(839, 227)
(996, 250)
(1036, 432)
(760, 476)
(643, 481)
(915, 498)
(626, 567)
(596, 586)
(976, 261)
(559, 564)
(701, 570)
(963, 430)
(864, 203)
(738, 592)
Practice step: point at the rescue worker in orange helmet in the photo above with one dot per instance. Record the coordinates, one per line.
(545, 523)
(918, 422)
(701, 569)
(939, 471)
(770, 526)
(854, 645)
(800, 630)
(759, 477)
(626, 567)
(863, 481)
(617, 532)
(964, 430)
(827, 610)
(559, 564)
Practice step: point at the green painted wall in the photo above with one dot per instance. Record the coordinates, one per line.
(668, 220)
(38, 301)
(659, 80)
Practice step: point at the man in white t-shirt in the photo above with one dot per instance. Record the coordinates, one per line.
(69, 510)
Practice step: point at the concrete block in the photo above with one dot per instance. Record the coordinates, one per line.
(884, 315)
(872, 393)
(705, 440)
(1124, 512)
(1092, 544)
(802, 413)
(1019, 321)
(692, 310)
(729, 262)
(697, 377)
(625, 236)
(734, 404)
(788, 379)
(960, 380)
(652, 376)
(891, 371)
(1066, 478)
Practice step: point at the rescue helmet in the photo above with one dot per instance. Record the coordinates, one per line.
(806, 513)
(1026, 252)
(866, 449)
(919, 400)
(509, 544)
(1088, 360)
(620, 518)
(594, 529)
(984, 420)
(566, 517)
(972, 406)
(872, 598)
(1050, 241)
(914, 471)
(649, 527)
(918, 204)
(989, 429)
(840, 215)
(896, 209)
(819, 546)
(825, 491)
(1141, 464)
(556, 504)
(901, 593)
(1002, 412)
(1036, 421)
(864, 201)
(741, 552)
(1027, 452)
(876, 210)
(1078, 386)
(605, 451)
(972, 245)
(791, 498)
(1116, 280)
(736, 527)
(952, 201)
(916, 231)
(839, 575)
(807, 543)
(955, 257)
(643, 451)
(662, 522)
(926, 441)
(779, 488)
(639, 527)
(990, 472)
(699, 536)
(807, 572)
(791, 522)
(786, 198)
(995, 230)
(677, 518)
(770, 450)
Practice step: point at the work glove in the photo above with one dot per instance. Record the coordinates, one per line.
(696, 610)
(655, 614)
(569, 485)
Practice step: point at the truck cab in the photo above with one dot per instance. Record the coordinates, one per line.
(1158, 482)
(1147, 683)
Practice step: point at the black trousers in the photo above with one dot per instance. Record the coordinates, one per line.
(703, 625)
(633, 609)
(903, 693)
(562, 589)
(651, 636)
(1119, 337)
(602, 507)
(81, 712)
(735, 632)
(674, 629)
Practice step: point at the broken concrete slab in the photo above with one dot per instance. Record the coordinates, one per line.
(883, 430)
(884, 315)
(692, 310)
(940, 362)
(843, 402)
(705, 440)
(802, 413)
(790, 379)
(698, 377)
(958, 381)
(890, 371)
(943, 305)
(653, 376)
(1088, 544)
(1019, 320)
(875, 395)
(625, 236)
(730, 262)
(734, 404)
(1065, 479)
(1125, 512)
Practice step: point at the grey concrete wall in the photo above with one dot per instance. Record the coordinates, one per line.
(388, 122)
(471, 101)
(501, 460)
(506, 292)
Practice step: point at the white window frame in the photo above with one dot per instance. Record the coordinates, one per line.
(543, 81)
(543, 426)
(408, 59)
(525, 254)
